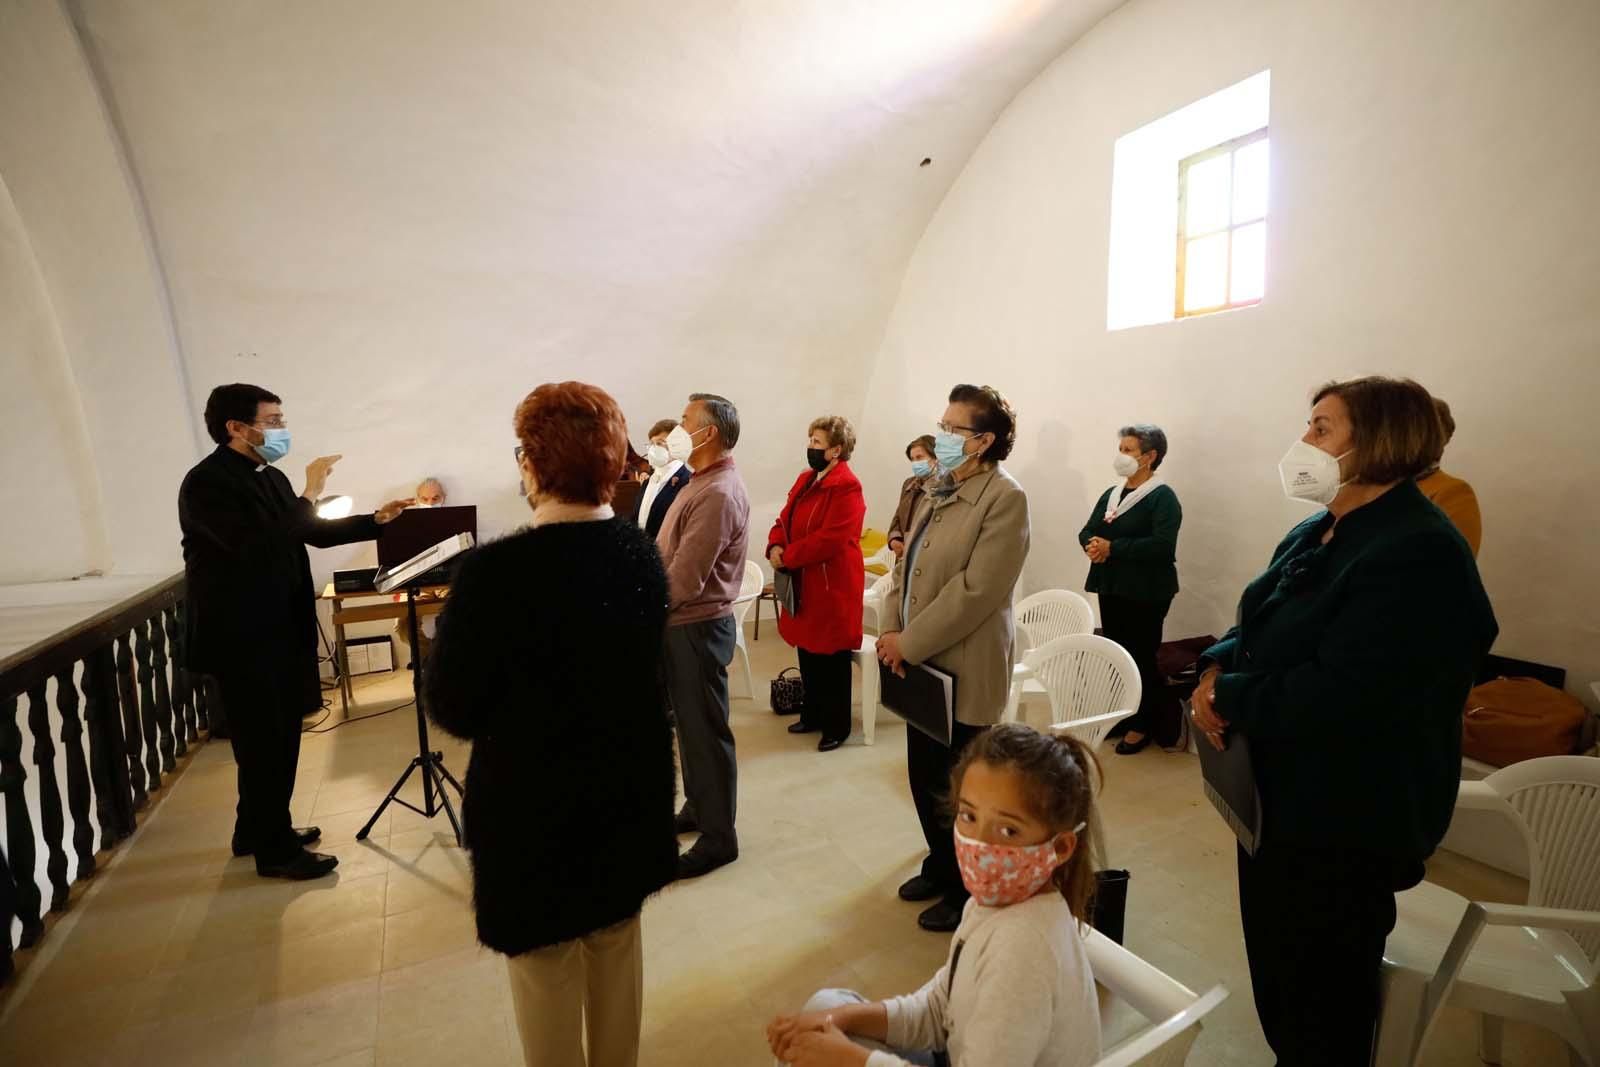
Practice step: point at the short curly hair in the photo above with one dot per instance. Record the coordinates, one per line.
(839, 432)
(660, 429)
(994, 415)
(575, 439)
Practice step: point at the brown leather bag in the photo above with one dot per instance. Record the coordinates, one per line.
(1512, 719)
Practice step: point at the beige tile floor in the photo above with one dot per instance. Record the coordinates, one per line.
(180, 955)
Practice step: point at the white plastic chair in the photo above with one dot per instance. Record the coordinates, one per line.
(749, 589)
(1091, 681)
(866, 658)
(1052, 613)
(1535, 963)
(1173, 1011)
(1042, 617)
(872, 601)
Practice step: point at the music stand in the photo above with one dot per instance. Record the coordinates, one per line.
(411, 575)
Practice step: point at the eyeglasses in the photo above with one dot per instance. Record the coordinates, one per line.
(518, 452)
(277, 422)
(949, 427)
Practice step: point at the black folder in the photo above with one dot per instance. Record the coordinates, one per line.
(1230, 785)
(925, 698)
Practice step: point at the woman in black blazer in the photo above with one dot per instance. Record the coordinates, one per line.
(1346, 675)
(570, 789)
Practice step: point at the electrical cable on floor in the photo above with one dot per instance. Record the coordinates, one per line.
(320, 729)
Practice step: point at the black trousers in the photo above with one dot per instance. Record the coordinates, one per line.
(826, 677)
(1136, 626)
(928, 766)
(1315, 922)
(265, 734)
(696, 670)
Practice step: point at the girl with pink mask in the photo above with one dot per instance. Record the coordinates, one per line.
(1016, 988)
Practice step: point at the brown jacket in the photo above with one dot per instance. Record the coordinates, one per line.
(702, 543)
(911, 494)
(1456, 499)
(969, 555)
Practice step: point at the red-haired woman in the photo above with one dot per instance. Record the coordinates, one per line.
(570, 789)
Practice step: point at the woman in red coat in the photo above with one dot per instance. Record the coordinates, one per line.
(818, 538)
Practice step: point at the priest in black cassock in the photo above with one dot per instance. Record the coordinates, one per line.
(252, 622)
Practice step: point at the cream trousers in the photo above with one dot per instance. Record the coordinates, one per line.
(592, 986)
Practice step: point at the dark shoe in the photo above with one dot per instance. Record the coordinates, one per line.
(802, 727)
(304, 834)
(683, 823)
(943, 917)
(828, 744)
(698, 861)
(299, 867)
(917, 888)
(1128, 748)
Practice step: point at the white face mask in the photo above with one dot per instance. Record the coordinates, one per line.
(679, 444)
(1310, 474)
(656, 456)
(1125, 465)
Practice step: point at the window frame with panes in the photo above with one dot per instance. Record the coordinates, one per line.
(1234, 224)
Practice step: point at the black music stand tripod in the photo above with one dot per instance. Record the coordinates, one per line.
(431, 763)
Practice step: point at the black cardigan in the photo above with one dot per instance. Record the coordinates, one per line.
(1348, 672)
(546, 658)
(251, 610)
(1144, 547)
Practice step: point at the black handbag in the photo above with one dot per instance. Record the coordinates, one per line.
(788, 694)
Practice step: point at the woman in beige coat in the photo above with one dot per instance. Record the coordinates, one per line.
(950, 607)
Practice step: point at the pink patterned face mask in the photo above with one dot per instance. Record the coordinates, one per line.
(1001, 875)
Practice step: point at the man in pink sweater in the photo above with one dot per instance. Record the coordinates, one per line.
(702, 542)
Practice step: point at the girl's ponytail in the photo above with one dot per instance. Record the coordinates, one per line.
(1076, 877)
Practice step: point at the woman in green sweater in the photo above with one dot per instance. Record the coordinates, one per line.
(1131, 540)
(1347, 673)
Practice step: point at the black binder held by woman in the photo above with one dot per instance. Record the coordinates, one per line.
(925, 698)
(1230, 785)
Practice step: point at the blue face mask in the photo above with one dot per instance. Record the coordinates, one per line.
(921, 468)
(275, 447)
(950, 449)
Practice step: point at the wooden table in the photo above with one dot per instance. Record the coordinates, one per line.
(386, 607)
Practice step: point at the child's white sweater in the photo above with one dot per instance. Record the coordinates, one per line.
(1023, 995)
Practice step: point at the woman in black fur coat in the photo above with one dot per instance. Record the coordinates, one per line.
(545, 660)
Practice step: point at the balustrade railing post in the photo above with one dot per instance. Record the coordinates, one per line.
(8, 909)
(19, 827)
(108, 751)
(72, 730)
(182, 680)
(128, 703)
(171, 733)
(147, 705)
(202, 701)
(51, 824)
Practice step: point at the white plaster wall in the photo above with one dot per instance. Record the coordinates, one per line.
(1432, 215)
(101, 308)
(403, 218)
(51, 525)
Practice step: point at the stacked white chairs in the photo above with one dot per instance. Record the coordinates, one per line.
(1042, 617)
(1092, 684)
